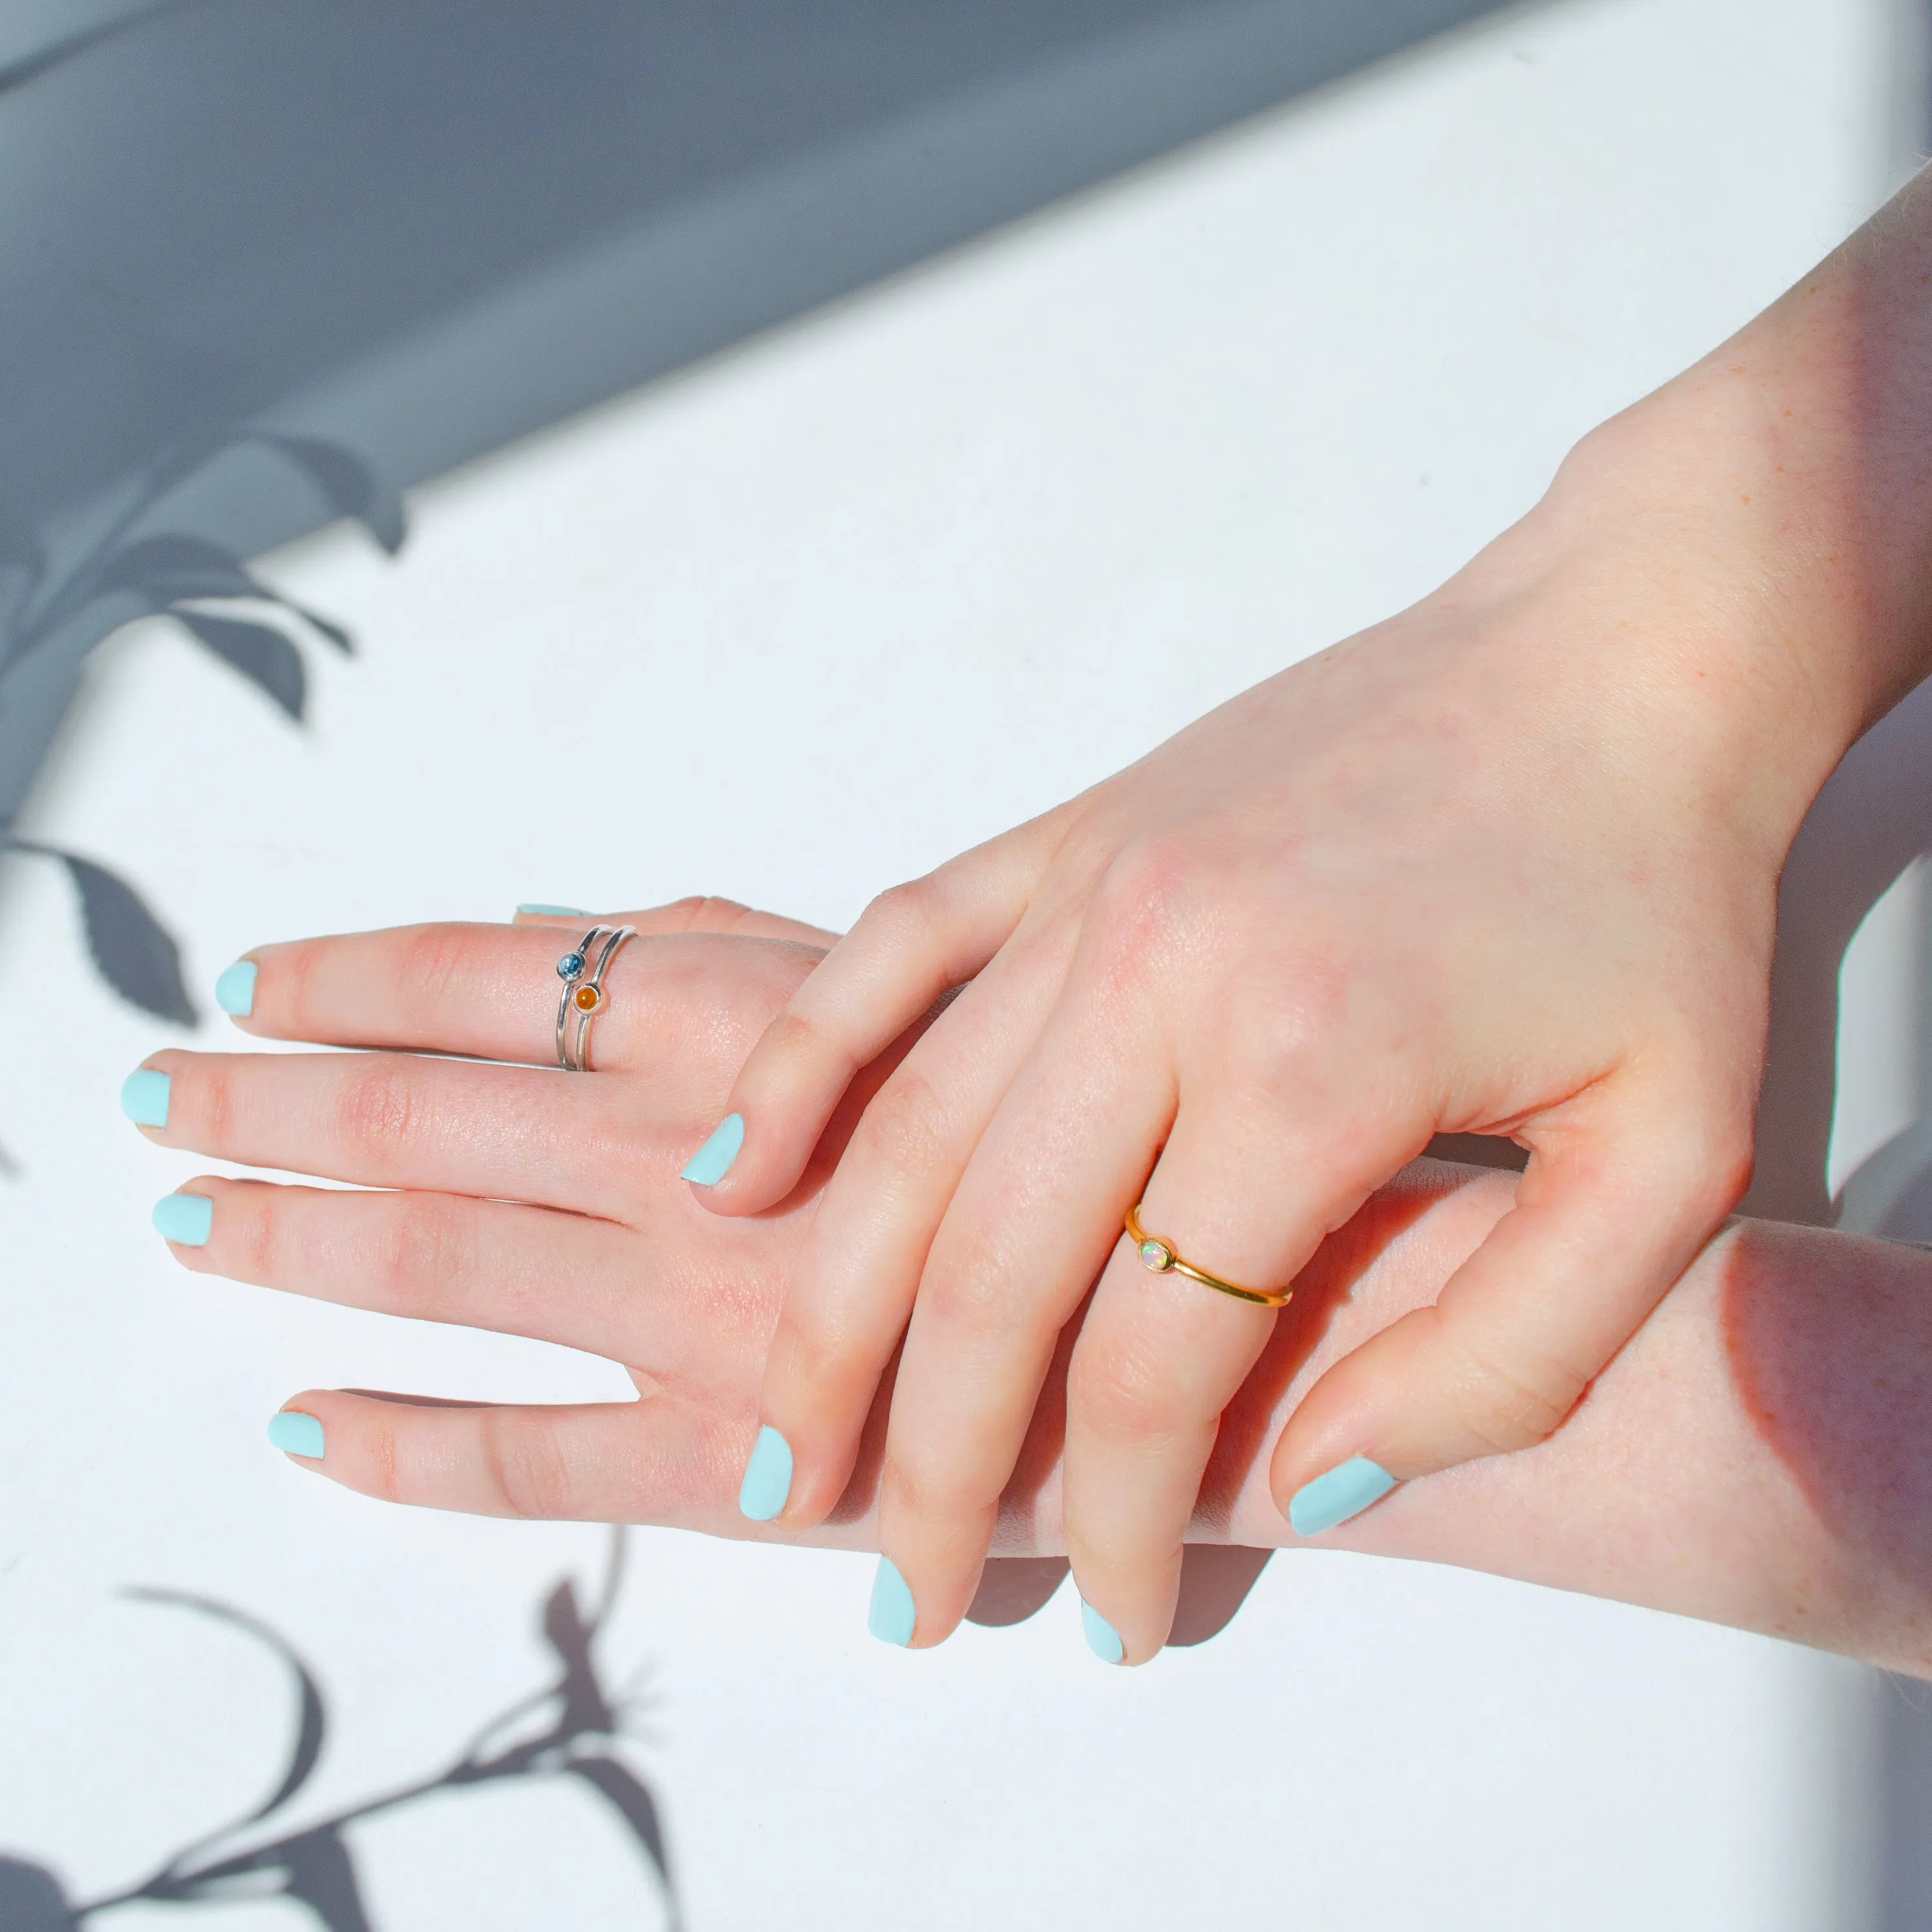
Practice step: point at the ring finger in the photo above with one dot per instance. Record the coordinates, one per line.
(1246, 1196)
(491, 992)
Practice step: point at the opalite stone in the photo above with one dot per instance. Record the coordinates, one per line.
(1155, 1255)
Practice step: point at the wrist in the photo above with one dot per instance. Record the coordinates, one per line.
(1741, 603)
(1776, 499)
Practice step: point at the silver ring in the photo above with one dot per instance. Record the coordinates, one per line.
(583, 997)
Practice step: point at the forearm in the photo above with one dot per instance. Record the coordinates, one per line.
(1759, 1455)
(1758, 534)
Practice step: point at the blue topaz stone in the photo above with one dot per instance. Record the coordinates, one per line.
(570, 965)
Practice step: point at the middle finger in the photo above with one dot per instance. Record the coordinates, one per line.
(579, 1141)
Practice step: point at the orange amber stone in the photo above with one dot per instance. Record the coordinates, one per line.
(588, 998)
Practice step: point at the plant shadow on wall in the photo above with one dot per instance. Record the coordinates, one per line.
(54, 609)
(570, 1730)
(422, 229)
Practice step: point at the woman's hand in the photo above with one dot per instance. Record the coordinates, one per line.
(1756, 1456)
(1505, 864)
(493, 1191)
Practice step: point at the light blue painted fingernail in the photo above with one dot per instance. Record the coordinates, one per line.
(183, 1219)
(235, 990)
(144, 1097)
(767, 1476)
(1346, 1490)
(892, 1616)
(295, 1434)
(1103, 1640)
(554, 912)
(712, 1161)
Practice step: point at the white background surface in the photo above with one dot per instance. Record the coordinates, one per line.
(821, 614)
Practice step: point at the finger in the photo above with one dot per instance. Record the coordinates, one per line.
(853, 1289)
(911, 945)
(656, 1460)
(1246, 1194)
(701, 912)
(388, 1120)
(491, 992)
(659, 1460)
(1620, 1194)
(1035, 1215)
(517, 1271)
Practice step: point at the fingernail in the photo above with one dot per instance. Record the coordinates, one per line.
(1103, 1640)
(183, 1219)
(892, 1616)
(554, 912)
(295, 1434)
(712, 1161)
(767, 1476)
(144, 1097)
(1346, 1490)
(235, 990)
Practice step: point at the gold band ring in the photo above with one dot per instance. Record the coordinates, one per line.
(1158, 1257)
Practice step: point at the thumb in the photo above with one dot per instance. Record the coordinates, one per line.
(1609, 1213)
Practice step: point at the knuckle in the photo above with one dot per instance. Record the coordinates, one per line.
(253, 1232)
(382, 1461)
(378, 1108)
(1118, 1391)
(712, 913)
(212, 1098)
(973, 1298)
(1277, 1033)
(905, 1128)
(685, 914)
(904, 916)
(703, 912)
(814, 1363)
(291, 981)
(427, 1254)
(528, 1467)
(1149, 899)
(936, 1489)
(795, 1039)
(436, 962)
(1514, 1404)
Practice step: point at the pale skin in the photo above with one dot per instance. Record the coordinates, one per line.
(1506, 864)
(1757, 1455)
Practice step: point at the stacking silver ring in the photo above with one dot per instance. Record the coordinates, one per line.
(583, 997)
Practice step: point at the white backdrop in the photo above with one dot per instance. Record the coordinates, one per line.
(829, 608)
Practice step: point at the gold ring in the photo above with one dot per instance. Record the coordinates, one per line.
(1158, 1257)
